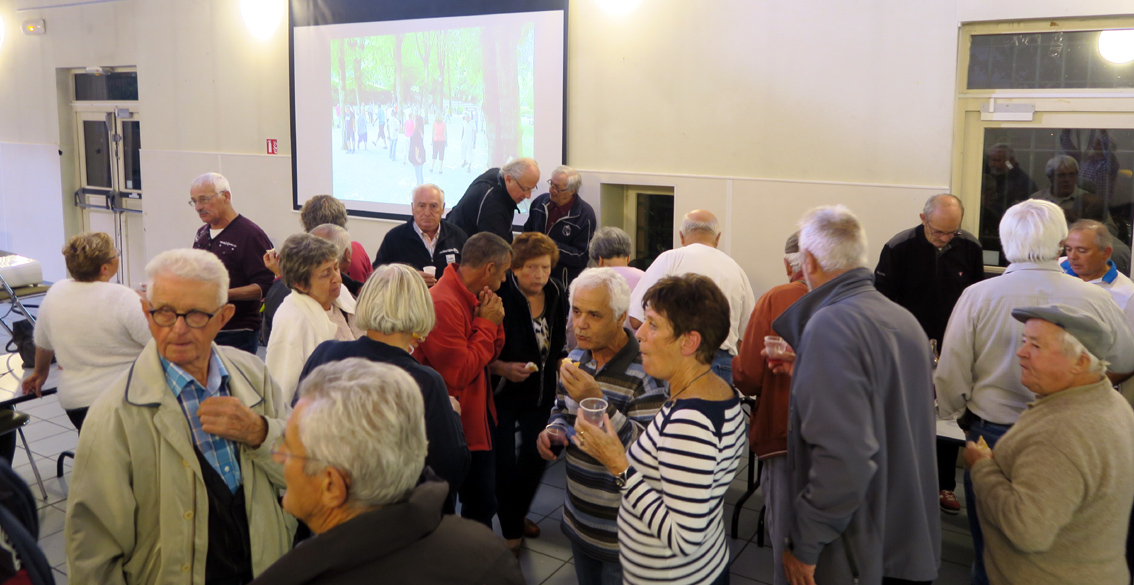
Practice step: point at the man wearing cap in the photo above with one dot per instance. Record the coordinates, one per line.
(753, 376)
(978, 377)
(1055, 494)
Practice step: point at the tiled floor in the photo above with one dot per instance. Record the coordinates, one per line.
(545, 560)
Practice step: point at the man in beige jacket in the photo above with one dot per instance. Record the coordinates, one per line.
(174, 480)
(1055, 496)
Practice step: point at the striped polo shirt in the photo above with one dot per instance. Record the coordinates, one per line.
(590, 512)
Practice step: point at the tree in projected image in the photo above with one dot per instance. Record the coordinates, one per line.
(486, 72)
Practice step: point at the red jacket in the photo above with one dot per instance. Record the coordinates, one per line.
(460, 347)
(752, 376)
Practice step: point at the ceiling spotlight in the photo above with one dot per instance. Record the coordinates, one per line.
(1117, 46)
(619, 6)
(262, 17)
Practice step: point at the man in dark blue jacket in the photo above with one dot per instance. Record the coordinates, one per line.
(492, 199)
(567, 220)
(426, 240)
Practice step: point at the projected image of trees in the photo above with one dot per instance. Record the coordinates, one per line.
(429, 107)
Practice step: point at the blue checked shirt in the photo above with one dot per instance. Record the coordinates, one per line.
(220, 453)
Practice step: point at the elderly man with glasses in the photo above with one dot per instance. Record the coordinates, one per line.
(174, 480)
(240, 245)
(569, 221)
(353, 455)
(426, 242)
(925, 269)
(491, 201)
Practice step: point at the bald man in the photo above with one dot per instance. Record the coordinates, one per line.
(700, 233)
(925, 269)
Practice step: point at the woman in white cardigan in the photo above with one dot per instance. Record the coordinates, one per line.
(319, 309)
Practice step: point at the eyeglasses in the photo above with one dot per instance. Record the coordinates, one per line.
(201, 200)
(280, 452)
(938, 234)
(553, 187)
(167, 317)
(526, 189)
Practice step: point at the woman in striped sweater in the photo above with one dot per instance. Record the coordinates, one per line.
(671, 523)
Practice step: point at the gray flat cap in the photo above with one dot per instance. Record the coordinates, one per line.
(792, 244)
(1096, 336)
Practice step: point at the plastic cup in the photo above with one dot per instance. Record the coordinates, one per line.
(776, 349)
(557, 435)
(430, 270)
(592, 410)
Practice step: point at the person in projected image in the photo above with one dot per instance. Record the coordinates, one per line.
(416, 154)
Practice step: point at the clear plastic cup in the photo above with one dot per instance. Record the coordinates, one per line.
(557, 435)
(776, 348)
(430, 270)
(592, 410)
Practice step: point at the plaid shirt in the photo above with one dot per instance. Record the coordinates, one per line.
(220, 453)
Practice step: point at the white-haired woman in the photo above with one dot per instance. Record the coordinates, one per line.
(396, 311)
(319, 308)
(93, 327)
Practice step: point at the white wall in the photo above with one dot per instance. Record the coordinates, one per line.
(765, 109)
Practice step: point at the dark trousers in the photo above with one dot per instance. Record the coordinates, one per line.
(991, 432)
(77, 416)
(519, 467)
(947, 464)
(246, 339)
(478, 493)
(8, 445)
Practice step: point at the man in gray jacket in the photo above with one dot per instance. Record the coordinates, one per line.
(860, 444)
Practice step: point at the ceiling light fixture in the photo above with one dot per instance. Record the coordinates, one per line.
(1117, 46)
(262, 17)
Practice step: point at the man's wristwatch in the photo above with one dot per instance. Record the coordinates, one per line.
(620, 478)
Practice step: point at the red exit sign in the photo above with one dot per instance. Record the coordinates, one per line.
(273, 146)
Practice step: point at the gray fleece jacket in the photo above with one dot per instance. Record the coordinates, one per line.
(861, 438)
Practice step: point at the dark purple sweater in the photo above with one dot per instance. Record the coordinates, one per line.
(241, 247)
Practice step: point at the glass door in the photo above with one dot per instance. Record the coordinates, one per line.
(108, 140)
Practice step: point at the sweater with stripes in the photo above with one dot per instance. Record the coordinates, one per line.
(671, 523)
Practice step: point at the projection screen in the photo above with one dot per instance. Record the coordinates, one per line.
(388, 94)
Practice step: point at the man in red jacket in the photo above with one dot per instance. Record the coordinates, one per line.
(754, 377)
(467, 338)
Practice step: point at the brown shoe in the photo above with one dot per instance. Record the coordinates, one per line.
(949, 503)
(531, 529)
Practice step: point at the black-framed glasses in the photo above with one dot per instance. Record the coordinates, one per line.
(195, 319)
(936, 233)
(201, 200)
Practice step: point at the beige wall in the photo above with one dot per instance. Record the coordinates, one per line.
(765, 109)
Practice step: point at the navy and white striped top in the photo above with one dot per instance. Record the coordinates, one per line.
(671, 523)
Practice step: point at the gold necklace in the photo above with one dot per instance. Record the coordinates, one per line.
(673, 397)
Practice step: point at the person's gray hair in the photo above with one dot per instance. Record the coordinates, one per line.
(574, 181)
(336, 235)
(214, 181)
(1072, 348)
(689, 225)
(517, 167)
(189, 264)
(937, 201)
(616, 287)
(322, 209)
(300, 255)
(1060, 161)
(610, 242)
(1001, 147)
(1033, 230)
(395, 299)
(366, 419)
(486, 247)
(425, 187)
(835, 237)
(1102, 234)
(791, 253)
